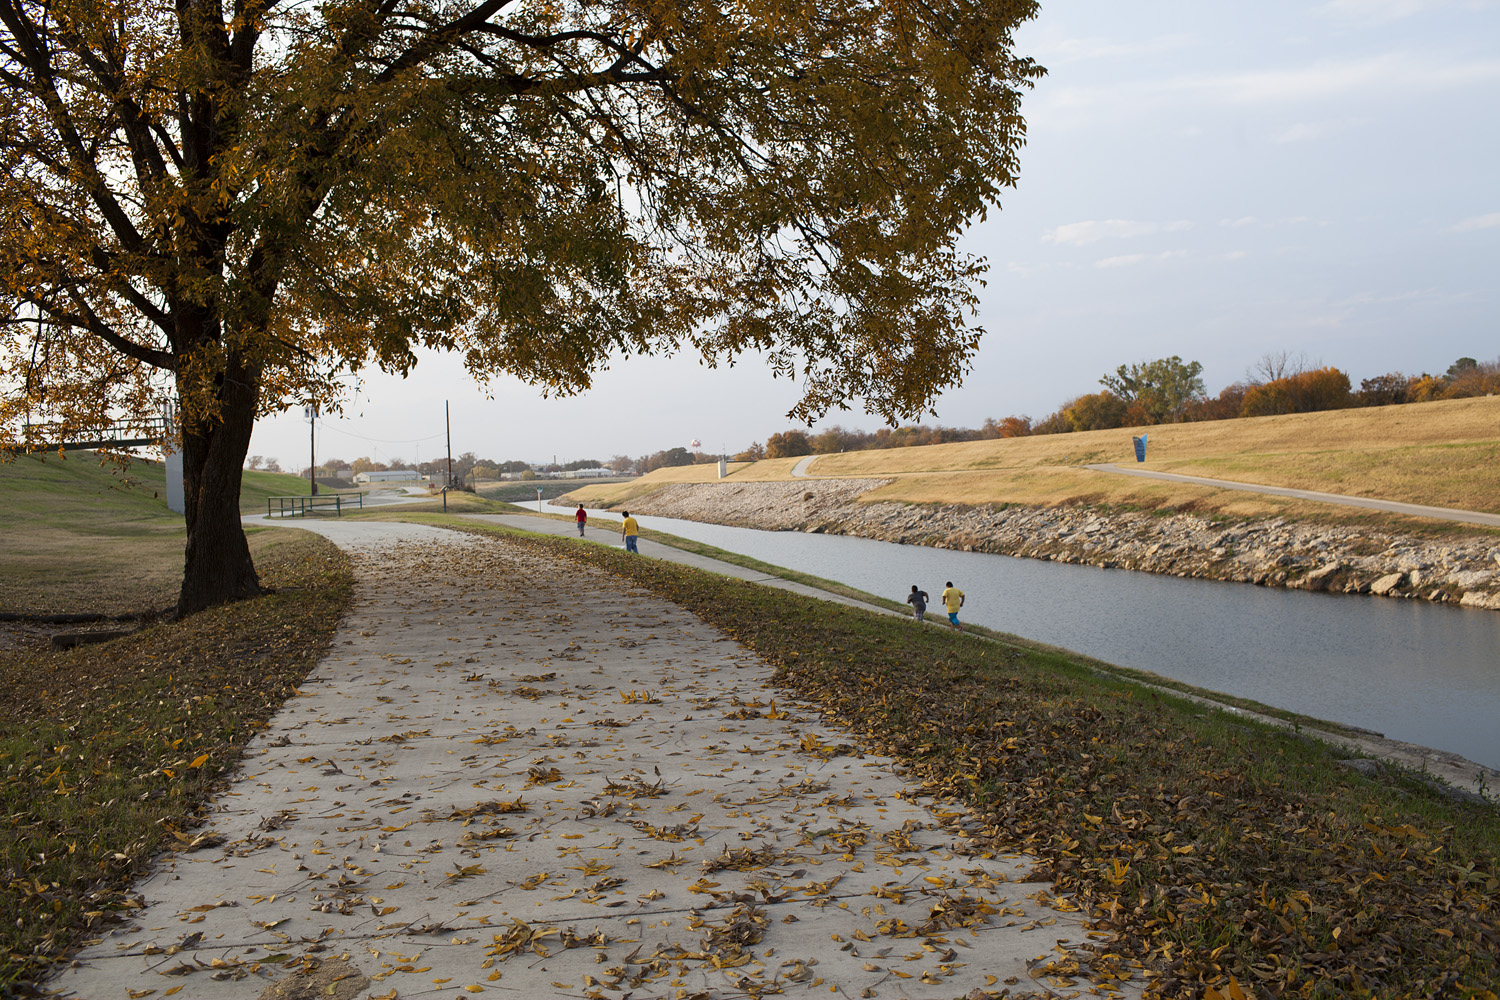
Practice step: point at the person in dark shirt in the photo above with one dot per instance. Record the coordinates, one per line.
(918, 601)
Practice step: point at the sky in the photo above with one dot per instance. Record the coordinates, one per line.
(1218, 181)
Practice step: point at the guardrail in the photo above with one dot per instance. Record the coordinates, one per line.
(305, 505)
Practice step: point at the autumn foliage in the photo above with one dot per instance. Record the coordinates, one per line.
(1169, 390)
(236, 207)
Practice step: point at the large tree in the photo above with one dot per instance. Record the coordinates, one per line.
(238, 204)
(1157, 391)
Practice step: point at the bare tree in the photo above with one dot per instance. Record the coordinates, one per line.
(1273, 366)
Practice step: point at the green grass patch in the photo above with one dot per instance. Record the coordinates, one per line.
(1207, 846)
(109, 753)
(80, 535)
(257, 485)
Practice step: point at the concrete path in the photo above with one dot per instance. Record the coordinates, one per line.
(800, 469)
(517, 778)
(1393, 506)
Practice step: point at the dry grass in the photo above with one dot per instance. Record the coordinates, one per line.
(1445, 454)
(82, 536)
(615, 494)
(1464, 475)
(1413, 428)
(56, 571)
(1059, 486)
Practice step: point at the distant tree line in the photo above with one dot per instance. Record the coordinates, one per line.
(465, 467)
(1167, 390)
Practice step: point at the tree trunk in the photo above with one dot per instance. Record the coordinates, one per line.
(218, 566)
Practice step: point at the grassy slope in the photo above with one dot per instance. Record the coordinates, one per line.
(258, 485)
(77, 535)
(1444, 454)
(109, 753)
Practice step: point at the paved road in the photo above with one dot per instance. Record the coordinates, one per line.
(1393, 506)
(512, 777)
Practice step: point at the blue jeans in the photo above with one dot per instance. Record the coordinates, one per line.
(630, 544)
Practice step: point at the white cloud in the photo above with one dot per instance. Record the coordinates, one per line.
(1240, 223)
(1331, 320)
(1375, 10)
(1236, 255)
(1381, 73)
(1066, 50)
(1371, 12)
(1472, 223)
(1301, 131)
(1389, 75)
(1126, 260)
(1094, 230)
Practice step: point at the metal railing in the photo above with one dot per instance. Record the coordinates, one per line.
(121, 434)
(304, 505)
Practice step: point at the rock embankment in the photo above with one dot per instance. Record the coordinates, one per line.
(1273, 552)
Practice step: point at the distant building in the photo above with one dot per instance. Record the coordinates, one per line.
(389, 476)
(585, 474)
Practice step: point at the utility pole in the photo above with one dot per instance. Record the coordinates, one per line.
(311, 413)
(447, 423)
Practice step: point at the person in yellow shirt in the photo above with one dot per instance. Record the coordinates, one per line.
(630, 529)
(953, 599)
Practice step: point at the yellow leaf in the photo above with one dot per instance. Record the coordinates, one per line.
(473, 988)
(199, 761)
(175, 989)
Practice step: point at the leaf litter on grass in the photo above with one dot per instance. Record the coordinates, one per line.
(110, 752)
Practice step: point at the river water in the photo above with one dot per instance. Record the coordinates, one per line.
(1424, 673)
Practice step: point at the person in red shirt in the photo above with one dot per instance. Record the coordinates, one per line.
(582, 518)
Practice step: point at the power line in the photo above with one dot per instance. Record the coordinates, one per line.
(381, 440)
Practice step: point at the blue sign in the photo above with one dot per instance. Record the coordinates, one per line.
(1140, 447)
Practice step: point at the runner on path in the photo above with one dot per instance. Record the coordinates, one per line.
(918, 601)
(953, 599)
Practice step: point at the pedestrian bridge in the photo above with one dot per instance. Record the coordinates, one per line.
(76, 437)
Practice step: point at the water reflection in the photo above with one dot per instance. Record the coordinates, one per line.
(1414, 671)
